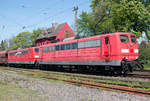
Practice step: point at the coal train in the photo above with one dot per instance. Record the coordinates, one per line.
(116, 52)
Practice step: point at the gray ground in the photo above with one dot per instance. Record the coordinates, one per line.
(42, 90)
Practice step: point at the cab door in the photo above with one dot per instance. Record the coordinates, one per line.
(37, 53)
(106, 48)
(41, 53)
(30, 54)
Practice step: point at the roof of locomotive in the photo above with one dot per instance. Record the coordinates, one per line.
(18, 50)
(117, 33)
(88, 38)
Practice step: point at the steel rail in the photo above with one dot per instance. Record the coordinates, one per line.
(136, 91)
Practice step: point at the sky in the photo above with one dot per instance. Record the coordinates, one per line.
(26, 15)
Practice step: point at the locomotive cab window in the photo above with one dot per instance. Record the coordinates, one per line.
(133, 39)
(107, 40)
(36, 50)
(124, 38)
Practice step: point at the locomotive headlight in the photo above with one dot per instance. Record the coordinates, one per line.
(36, 56)
(136, 50)
(125, 50)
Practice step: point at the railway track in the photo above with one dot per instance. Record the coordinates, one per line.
(83, 80)
(123, 89)
(139, 75)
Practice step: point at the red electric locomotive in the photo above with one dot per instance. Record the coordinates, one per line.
(23, 57)
(117, 52)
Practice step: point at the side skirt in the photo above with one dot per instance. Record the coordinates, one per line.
(94, 63)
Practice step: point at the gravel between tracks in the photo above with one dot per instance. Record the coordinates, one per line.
(59, 91)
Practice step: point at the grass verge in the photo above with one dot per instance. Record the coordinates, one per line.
(147, 66)
(9, 92)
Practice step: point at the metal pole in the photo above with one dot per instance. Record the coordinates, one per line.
(76, 12)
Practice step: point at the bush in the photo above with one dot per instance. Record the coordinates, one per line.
(144, 53)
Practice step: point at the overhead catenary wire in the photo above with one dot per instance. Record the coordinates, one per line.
(14, 21)
(55, 15)
(44, 11)
(10, 19)
(32, 25)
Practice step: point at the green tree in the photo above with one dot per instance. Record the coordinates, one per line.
(35, 34)
(85, 23)
(144, 53)
(116, 15)
(22, 40)
(3, 45)
(144, 50)
(95, 21)
(130, 16)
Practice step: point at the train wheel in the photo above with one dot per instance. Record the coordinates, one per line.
(125, 68)
(36, 64)
(89, 68)
(80, 68)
